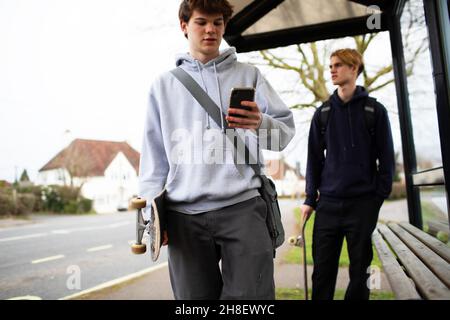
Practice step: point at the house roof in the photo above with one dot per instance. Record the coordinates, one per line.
(277, 169)
(91, 157)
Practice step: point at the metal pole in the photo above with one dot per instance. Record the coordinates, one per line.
(409, 153)
(437, 19)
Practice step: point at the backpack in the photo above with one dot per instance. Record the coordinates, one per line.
(369, 115)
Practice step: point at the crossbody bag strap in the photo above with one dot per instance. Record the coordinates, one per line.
(213, 110)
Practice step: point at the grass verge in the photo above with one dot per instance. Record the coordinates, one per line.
(297, 294)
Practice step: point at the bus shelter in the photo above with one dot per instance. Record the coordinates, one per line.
(266, 24)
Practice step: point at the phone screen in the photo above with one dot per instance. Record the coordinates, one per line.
(241, 94)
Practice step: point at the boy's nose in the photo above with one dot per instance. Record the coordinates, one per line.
(210, 28)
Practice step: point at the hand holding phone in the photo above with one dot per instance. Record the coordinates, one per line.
(243, 112)
(237, 96)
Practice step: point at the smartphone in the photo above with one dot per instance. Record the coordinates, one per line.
(241, 94)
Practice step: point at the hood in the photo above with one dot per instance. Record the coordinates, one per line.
(360, 93)
(225, 58)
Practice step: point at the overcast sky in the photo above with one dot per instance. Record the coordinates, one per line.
(78, 65)
(85, 67)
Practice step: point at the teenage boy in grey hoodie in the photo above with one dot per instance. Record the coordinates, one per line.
(215, 211)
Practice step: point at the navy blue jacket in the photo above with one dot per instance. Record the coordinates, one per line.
(349, 167)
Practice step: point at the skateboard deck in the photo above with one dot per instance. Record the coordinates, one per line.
(156, 224)
(301, 242)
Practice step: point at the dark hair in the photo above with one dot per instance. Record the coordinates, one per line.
(187, 7)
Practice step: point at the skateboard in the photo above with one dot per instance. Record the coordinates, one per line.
(300, 241)
(154, 227)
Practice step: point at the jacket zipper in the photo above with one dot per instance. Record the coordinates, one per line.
(350, 123)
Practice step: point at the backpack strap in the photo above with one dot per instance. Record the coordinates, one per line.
(324, 116)
(370, 111)
(370, 114)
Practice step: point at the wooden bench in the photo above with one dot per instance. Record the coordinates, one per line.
(416, 264)
(438, 229)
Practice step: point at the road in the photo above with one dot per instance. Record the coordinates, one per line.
(56, 256)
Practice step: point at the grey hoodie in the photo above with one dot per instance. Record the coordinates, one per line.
(187, 153)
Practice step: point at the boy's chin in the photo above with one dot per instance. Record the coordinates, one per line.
(340, 82)
(211, 48)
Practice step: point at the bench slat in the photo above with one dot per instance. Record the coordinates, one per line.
(433, 261)
(437, 246)
(425, 280)
(401, 285)
(437, 226)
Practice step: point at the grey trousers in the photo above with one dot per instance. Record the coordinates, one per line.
(236, 236)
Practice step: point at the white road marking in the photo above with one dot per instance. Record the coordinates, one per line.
(117, 281)
(62, 231)
(26, 298)
(29, 236)
(105, 226)
(60, 256)
(66, 231)
(108, 246)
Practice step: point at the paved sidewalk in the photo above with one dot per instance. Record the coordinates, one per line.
(155, 285)
(15, 222)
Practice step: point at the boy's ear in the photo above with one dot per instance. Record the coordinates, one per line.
(183, 26)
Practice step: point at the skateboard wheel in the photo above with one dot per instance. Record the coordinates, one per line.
(138, 248)
(292, 241)
(138, 203)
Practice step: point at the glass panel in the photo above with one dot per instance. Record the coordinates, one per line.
(434, 212)
(420, 86)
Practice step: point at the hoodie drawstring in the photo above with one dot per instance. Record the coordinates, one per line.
(350, 122)
(220, 96)
(204, 88)
(208, 125)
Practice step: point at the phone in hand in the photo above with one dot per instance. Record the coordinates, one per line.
(238, 95)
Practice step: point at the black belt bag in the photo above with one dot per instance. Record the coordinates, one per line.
(267, 189)
(273, 220)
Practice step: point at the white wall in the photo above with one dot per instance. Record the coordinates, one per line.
(290, 185)
(115, 189)
(53, 177)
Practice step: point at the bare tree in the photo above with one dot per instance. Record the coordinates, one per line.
(311, 64)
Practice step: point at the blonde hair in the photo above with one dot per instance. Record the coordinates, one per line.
(350, 57)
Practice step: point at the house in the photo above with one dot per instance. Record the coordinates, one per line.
(106, 171)
(288, 180)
